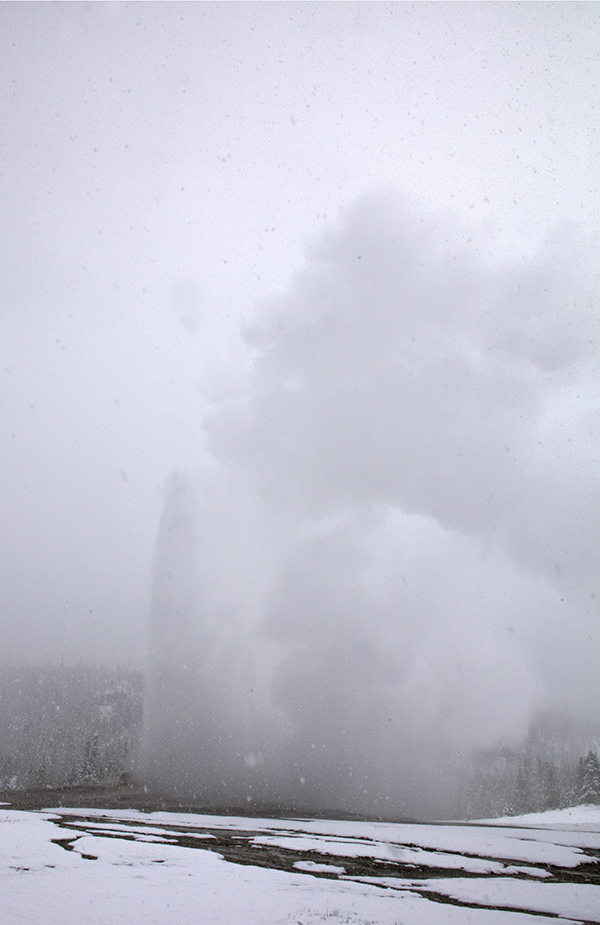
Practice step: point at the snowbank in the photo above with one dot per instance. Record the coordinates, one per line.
(586, 814)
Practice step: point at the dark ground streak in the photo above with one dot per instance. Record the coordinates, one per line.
(234, 846)
(463, 903)
(67, 844)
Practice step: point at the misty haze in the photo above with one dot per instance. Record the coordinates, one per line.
(388, 560)
(300, 428)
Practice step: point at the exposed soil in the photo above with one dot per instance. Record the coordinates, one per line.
(239, 847)
(129, 794)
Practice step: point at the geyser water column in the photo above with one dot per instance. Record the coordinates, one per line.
(170, 714)
(197, 730)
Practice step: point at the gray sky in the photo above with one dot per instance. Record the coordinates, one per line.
(171, 173)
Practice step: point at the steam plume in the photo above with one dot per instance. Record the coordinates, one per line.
(390, 557)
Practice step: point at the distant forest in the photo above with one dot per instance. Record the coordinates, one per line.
(69, 726)
(64, 726)
(556, 767)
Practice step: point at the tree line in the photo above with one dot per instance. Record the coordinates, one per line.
(557, 767)
(66, 726)
(63, 726)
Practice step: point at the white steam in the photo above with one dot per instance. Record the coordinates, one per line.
(391, 557)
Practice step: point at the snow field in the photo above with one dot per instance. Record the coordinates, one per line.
(125, 868)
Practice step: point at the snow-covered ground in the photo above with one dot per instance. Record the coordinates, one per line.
(100, 867)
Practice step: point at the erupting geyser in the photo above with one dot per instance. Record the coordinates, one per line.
(366, 580)
(276, 685)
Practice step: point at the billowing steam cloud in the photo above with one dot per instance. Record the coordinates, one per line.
(392, 554)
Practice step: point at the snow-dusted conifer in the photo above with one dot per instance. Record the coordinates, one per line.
(590, 786)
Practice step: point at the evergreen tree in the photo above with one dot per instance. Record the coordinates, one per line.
(552, 795)
(521, 799)
(578, 783)
(590, 785)
(89, 772)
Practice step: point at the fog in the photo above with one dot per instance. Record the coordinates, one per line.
(298, 320)
(390, 558)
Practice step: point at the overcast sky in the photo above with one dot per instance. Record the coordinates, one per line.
(397, 205)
